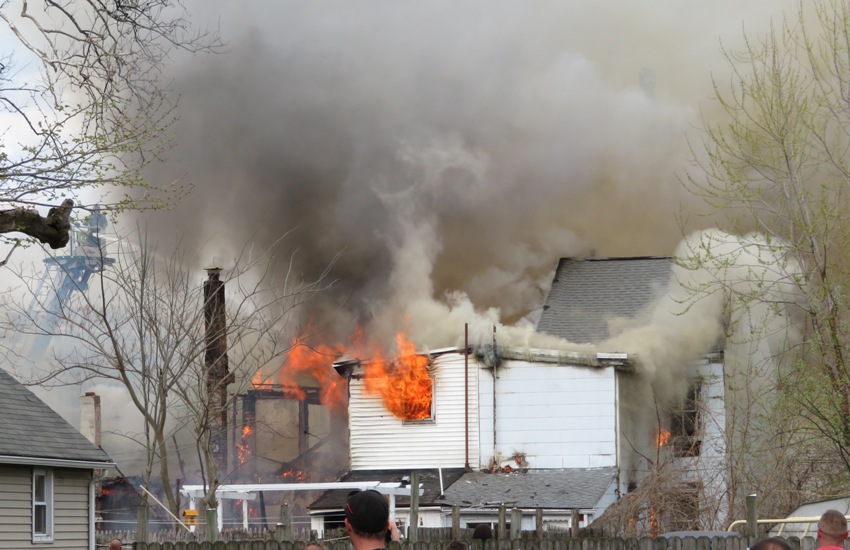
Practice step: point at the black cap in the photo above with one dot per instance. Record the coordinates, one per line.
(367, 511)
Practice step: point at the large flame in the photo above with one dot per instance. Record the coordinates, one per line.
(403, 383)
(305, 361)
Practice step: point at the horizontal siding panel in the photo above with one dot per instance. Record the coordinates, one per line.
(541, 434)
(562, 449)
(552, 412)
(381, 441)
(588, 461)
(71, 508)
(558, 416)
(15, 502)
(533, 371)
(548, 396)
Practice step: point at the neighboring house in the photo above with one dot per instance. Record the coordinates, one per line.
(534, 429)
(48, 473)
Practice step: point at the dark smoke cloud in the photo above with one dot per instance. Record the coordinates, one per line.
(451, 151)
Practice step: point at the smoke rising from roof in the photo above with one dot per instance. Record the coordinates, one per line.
(451, 153)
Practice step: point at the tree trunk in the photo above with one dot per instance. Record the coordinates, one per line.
(52, 230)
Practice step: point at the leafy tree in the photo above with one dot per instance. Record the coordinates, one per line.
(95, 115)
(776, 172)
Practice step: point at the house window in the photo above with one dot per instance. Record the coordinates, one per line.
(684, 424)
(42, 505)
(682, 508)
(419, 403)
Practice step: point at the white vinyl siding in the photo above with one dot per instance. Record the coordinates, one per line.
(70, 508)
(379, 440)
(555, 416)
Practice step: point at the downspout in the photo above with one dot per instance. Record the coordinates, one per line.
(617, 437)
(466, 393)
(495, 366)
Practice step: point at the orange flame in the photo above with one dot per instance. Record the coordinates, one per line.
(662, 438)
(243, 451)
(404, 384)
(294, 475)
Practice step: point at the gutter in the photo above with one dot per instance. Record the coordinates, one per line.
(620, 361)
(56, 462)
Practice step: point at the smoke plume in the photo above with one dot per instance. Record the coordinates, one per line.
(449, 154)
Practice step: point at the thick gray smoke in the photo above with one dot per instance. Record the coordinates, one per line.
(450, 152)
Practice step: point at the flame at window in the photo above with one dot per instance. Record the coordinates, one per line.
(404, 385)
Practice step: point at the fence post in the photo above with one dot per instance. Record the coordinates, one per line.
(413, 529)
(516, 523)
(455, 522)
(283, 529)
(142, 521)
(500, 534)
(574, 521)
(539, 523)
(212, 524)
(752, 517)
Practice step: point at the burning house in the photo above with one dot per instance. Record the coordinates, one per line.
(531, 429)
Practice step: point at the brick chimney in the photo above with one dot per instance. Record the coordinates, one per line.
(90, 417)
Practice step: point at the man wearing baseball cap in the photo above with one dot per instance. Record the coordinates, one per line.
(367, 519)
(832, 530)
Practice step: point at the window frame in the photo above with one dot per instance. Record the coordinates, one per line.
(46, 503)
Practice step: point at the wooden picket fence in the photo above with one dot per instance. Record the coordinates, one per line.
(438, 539)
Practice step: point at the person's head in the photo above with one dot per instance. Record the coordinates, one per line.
(115, 544)
(456, 545)
(313, 546)
(772, 543)
(482, 532)
(367, 515)
(832, 528)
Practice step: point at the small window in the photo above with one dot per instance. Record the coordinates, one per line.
(42, 505)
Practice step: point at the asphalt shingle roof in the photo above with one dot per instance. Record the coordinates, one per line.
(29, 428)
(555, 489)
(587, 293)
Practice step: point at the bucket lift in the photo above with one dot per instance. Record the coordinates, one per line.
(64, 275)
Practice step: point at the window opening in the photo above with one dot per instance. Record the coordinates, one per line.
(684, 424)
(42, 505)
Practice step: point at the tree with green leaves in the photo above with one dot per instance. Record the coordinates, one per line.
(775, 168)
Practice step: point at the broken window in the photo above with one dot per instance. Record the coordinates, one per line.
(685, 433)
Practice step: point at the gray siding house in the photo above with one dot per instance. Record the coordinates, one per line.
(48, 475)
